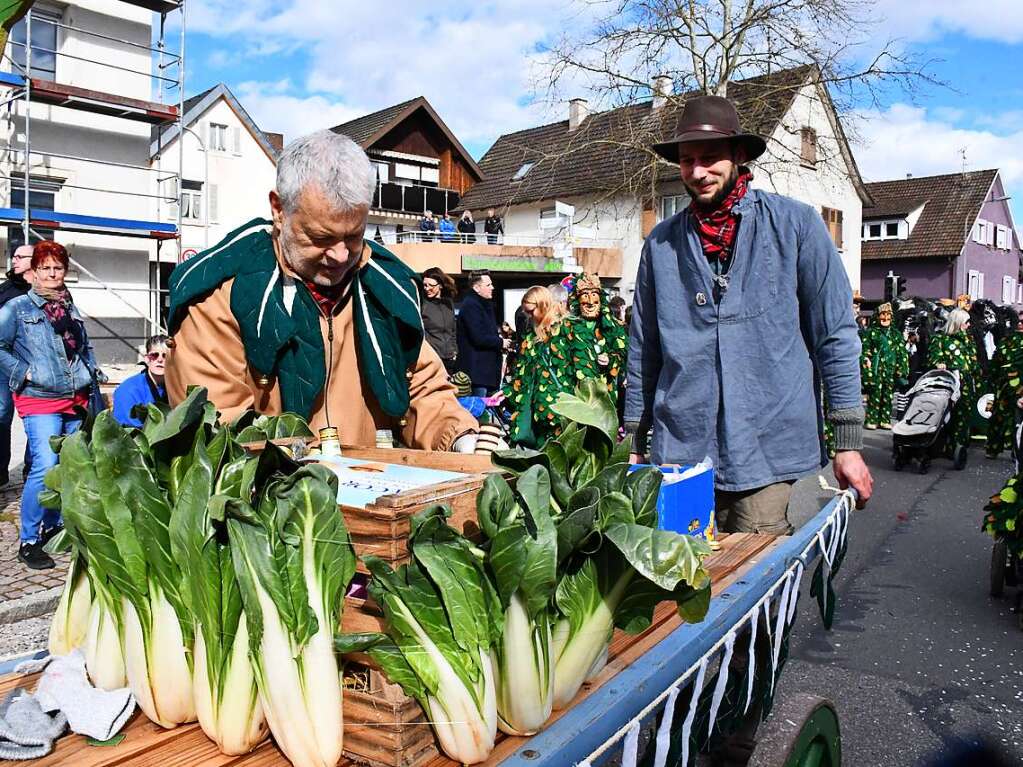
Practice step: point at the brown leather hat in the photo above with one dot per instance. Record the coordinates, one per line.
(707, 118)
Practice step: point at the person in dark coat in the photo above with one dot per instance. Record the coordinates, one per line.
(438, 312)
(493, 226)
(18, 283)
(479, 343)
(467, 227)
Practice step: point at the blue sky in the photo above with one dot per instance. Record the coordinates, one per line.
(300, 65)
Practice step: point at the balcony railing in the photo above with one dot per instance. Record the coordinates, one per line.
(414, 198)
(514, 240)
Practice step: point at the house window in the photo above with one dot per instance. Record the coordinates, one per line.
(808, 147)
(673, 204)
(191, 200)
(521, 172)
(891, 230)
(1008, 289)
(383, 171)
(984, 232)
(833, 219)
(1002, 238)
(405, 171)
(873, 231)
(218, 137)
(44, 44)
(42, 196)
(975, 285)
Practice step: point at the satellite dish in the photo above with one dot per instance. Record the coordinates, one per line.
(984, 405)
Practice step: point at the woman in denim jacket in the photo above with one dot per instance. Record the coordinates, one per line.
(46, 357)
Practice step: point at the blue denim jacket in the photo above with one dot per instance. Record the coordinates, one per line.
(734, 375)
(27, 342)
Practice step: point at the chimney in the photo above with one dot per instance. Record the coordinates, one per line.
(578, 110)
(909, 175)
(661, 88)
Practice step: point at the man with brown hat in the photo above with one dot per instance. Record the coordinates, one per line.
(741, 311)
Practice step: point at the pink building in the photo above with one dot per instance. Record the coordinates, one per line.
(946, 235)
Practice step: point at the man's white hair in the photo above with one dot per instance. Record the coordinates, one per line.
(957, 319)
(333, 164)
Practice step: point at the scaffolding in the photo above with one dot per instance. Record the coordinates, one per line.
(26, 85)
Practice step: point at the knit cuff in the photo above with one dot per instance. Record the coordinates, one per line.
(848, 428)
(638, 435)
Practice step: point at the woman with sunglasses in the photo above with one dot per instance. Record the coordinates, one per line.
(46, 356)
(144, 387)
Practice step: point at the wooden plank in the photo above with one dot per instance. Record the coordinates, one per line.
(463, 463)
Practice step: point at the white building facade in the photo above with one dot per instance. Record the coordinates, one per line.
(807, 158)
(227, 168)
(89, 157)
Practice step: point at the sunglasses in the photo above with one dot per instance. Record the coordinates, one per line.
(154, 356)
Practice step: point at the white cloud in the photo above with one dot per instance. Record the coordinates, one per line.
(906, 139)
(277, 110)
(470, 59)
(921, 20)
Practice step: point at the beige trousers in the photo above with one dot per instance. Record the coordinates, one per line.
(760, 510)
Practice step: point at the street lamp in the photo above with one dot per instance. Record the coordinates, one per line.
(205, 186)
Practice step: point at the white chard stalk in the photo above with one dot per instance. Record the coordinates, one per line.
(71, 621)
(524, 671)
(156, 662)
(104, 660)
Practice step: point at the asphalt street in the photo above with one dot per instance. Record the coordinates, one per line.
(920, 656)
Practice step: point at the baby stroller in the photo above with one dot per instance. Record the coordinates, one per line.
(922, 415)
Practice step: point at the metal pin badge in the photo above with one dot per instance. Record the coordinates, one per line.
(701, 299)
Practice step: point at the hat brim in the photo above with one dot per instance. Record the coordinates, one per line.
(752, 143)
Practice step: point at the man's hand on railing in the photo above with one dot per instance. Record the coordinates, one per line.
(851, 471)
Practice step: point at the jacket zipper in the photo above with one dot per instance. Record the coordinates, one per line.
(330, 360)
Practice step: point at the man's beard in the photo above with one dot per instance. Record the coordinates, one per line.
(721, 194)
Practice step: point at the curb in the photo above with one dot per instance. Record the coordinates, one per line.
(31, 606)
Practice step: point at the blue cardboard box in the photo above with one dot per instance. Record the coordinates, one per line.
(686, 505)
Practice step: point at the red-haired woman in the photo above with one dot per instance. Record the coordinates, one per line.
(46, 357)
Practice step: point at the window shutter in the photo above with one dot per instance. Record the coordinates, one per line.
(980, 284)
(838, 227)
(990, 233)
(213, 202)
(207, 136)
(172, 205)
(237, 140)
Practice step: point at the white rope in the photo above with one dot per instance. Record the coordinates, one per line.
(719, 688)
(664, 731)
(752, 667)
(789, 581)
(630, 749)
(687, 726)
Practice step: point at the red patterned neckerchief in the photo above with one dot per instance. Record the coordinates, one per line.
(327, 298)
(717, 227)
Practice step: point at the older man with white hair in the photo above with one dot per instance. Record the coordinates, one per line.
(303, 314)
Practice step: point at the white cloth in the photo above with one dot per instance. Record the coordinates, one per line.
(98, 714)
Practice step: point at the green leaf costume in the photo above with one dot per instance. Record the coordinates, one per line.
(1003, 516)
(1004, 374)
(543, 370)
(605, 335)
(957, 352)
(883, 363)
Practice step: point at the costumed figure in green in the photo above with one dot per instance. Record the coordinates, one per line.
(551, 360)
(597, 328)
(953, 349)
(1005, 376)
(884, 364)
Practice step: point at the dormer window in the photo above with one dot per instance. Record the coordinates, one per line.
(893, 229)
(521, 172)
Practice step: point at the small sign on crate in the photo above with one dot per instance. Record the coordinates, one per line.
(686, 501)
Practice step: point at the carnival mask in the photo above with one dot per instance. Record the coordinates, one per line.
(885, 318)
(589, 304)
(989, 317)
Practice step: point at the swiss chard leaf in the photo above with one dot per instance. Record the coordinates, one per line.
(662, 556)
(578, 522)
(388, 656)
(643, 487)
(495, 505)
(590, 405)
